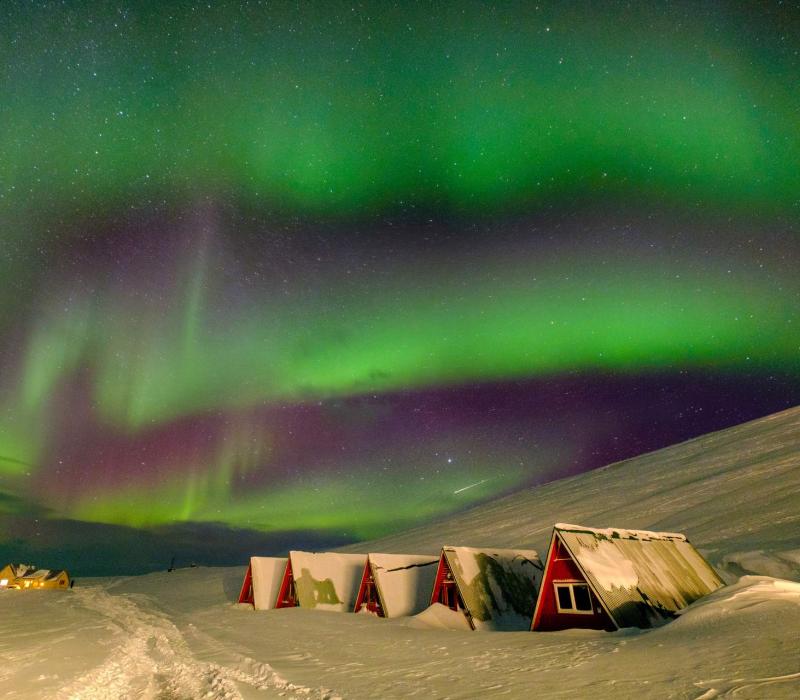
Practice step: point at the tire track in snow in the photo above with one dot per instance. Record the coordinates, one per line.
(152, 660)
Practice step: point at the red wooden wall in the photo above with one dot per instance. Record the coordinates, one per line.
(246, 594)
(561, 567)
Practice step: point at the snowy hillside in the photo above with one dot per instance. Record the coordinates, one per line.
(736, 494)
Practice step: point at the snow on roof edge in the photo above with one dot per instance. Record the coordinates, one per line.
(621, 533)
(493, 550)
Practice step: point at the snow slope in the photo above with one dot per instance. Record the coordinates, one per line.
(736, 494)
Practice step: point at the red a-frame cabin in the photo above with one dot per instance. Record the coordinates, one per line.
(566, 600)
(611, 578)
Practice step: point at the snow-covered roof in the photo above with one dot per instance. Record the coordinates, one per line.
(41, 575)
(267, 573)
(404, 581)
(30, 573)
(20, 570)
(641, 577)
(622, 532)
(498, 586)
(327, 580)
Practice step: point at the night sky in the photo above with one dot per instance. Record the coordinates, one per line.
(282, 274)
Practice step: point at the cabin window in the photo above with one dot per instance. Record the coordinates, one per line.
(3, 581)
(573, 598)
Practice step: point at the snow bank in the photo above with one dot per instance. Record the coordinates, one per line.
(439, 616)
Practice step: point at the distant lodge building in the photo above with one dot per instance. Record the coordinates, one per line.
(603, 579)
(28, 577)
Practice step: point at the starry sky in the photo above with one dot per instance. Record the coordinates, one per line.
(280, 274)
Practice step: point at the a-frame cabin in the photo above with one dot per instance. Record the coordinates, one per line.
(262, 582)
(607, 579)
(396, 585)
(495, 589)
(321, 580)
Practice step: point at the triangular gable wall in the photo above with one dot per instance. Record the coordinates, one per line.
(368, 597)
(287, 595)
(246, 594)
(561, 572)
(445, 590)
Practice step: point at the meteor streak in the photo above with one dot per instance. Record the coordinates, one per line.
(471, 486)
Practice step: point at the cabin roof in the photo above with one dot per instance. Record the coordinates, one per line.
(404, 581)
(620, 533)
(327, 580)
(41, 574)
(267, 573)
(642, 577)
(498, 586)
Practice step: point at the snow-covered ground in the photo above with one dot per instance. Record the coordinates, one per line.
(736, 494)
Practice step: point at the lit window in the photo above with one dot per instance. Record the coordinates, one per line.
(3, 581)
(573, 598)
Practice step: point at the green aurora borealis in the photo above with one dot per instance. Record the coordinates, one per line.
(314, 273)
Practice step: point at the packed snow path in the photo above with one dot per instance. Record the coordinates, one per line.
(151, 659)
(133, 651)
